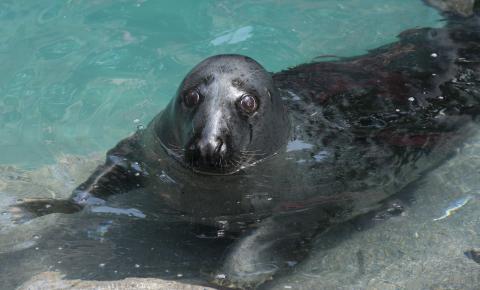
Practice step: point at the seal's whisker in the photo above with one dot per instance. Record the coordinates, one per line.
(177, 153)
(251, 154)
(250, 151)
(173, 146)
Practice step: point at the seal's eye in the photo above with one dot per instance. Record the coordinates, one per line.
(248, 104)
(191, 99)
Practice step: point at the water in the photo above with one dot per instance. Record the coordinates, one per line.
(78, 76)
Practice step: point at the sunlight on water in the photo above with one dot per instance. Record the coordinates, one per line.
(77, 76)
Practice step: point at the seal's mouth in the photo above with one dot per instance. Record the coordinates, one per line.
(207, 166)
(211, 170)
(226, 165)
(237, 164)
(216, 164)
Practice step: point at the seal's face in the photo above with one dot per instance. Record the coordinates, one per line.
(226, 116)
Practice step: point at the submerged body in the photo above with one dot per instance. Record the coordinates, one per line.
(297, 150)
(360, 130)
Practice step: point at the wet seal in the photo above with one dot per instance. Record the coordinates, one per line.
(277, 158)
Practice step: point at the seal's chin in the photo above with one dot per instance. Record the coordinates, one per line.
(215, 171)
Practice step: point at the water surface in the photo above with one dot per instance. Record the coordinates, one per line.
(75, 75)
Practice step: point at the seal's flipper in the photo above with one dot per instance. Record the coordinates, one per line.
(32, 208)
(265, 250)
(119, 174)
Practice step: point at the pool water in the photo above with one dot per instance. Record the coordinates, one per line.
(78, 76)
(75, 75)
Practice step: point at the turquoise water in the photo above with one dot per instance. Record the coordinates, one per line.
(78, 76)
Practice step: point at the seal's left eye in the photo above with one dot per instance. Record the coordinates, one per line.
(191, 99)
(248, 104)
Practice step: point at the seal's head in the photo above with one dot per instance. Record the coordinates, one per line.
(226, 116)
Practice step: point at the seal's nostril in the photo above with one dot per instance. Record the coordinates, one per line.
(207, 153)
(218, 145)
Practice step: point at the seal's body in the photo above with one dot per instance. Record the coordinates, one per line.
(368, 124)
(288, 152)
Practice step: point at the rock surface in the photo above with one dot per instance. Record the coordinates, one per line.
(461, 7)
(54, 281)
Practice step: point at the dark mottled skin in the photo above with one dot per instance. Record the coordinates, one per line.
(403, 107)
(371, 125)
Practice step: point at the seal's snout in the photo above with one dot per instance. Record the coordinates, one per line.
(212, 148)
(208, 154)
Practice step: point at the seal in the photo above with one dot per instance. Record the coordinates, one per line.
(226, 115)
(279, 157)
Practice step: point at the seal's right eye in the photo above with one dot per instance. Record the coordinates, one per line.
(191, 99)
(248, 104)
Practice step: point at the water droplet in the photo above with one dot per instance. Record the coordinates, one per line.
(48, 205)
(397, 110)
(291, 263)
(440, 97)
(137, 174)
(434, 55)
(60, 248)
(179, 275)
(59, 262)
(137, 266)
(37, 248)
(221, 276)
(411, 99)
(101, 265)
(136, 121)
(287, 287)
(115, 271)
(269, 198)
(36, 237)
